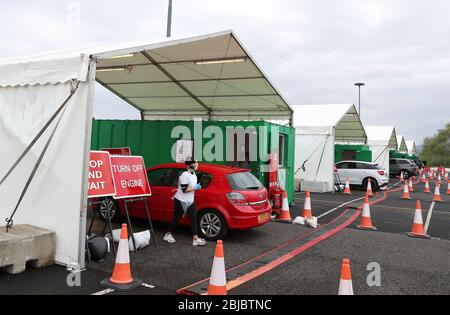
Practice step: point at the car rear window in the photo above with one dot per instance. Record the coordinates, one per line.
(363, 166)
(244, 181)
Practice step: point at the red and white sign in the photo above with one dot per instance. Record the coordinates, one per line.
(101, 182)
(130, 177)
(119, 151)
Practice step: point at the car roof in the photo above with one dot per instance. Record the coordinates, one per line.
(363, 162)
(203, 167)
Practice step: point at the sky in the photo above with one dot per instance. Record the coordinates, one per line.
(313, 50)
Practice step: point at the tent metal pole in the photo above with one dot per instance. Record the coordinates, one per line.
(169, 20)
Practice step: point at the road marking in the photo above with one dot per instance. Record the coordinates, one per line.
(104, 292)
(148, 286)
(342, 205)
(430, 212)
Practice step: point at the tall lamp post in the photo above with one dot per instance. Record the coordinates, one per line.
(359, 85)
(169, 20)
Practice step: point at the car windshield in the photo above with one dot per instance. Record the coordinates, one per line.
(244, 181)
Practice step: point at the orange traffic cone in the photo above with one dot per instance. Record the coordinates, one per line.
(410, 186)
(347, 187)
(369, 187)
(427, 187)
(218, 280)
(406, 192)
(285, 214)
(439, 179)
(402, 179)
(121, 279)
(366, 221)
(345, 284)
(418, 229)
(307, 210)
(448, 187)
(424, 178)
(437, 193)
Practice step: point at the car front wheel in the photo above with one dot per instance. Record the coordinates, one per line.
(212, 225)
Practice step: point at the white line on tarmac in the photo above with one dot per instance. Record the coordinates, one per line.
(108, 291)
(430, 212)
(342, 205)
(104, 292)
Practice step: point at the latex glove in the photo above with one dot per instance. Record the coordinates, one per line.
(198, 187)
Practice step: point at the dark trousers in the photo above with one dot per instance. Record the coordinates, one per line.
(178, 213)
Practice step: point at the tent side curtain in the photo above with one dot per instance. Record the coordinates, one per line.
(209, 76)
(55, 198)
(45, 71)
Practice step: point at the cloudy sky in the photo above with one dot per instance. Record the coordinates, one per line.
(313, 50)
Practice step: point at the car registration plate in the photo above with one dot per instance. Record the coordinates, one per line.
(263, 217)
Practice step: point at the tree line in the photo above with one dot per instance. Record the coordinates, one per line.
(436, 149)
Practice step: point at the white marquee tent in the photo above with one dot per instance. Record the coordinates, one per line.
(402, 148)
(318, 129)
(381, 139)
(49, 99)
(411, 146)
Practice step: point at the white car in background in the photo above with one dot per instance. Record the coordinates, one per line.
(359, 172)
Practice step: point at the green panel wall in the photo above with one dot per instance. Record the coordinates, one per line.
(153, 140)
(363, 153)
(398, 155)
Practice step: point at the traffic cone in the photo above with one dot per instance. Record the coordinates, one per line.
(439, 179)
(345, 284)
(121, 279)
(402, 179)
(427, 187)
(437, 193)
(446, 176)
(347, 187)
(406, 192)
(410, 186)
(307, 211)
(366, 221)
(424, 178)
(218, 280)
(285, 213)
(369, 187)
(418, 229)
(448, 187)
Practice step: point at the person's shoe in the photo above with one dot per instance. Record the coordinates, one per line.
(169, 238)
(199, 242)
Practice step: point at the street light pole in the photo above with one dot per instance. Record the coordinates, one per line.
(359, 85)
(169, 20)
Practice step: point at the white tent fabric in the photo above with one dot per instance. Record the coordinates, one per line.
(55, 199)
(318, 129)
(211, 77)
(402, 148)
(411, 147)
(381, 139)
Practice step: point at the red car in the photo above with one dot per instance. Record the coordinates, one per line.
(231, 199)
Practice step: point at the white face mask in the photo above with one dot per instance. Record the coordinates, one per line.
(193, 168)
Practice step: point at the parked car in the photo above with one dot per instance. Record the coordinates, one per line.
(231, 199)
(359, 172)
(408, 167)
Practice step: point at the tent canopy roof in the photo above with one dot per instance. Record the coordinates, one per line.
(344, 118)
(382, 135)
(411, 146)
(210, 76)
(401, 144)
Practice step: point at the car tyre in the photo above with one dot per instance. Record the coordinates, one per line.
(406, 174)
(373, 181)
(114, 210)
(212, 225)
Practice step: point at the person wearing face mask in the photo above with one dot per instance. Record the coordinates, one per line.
(184, 201)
